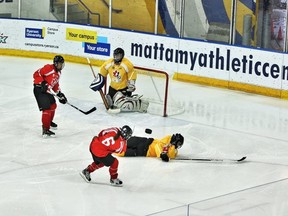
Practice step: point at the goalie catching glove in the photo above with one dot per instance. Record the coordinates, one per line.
(61, 97)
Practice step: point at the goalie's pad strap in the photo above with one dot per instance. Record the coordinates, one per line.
(97, 83)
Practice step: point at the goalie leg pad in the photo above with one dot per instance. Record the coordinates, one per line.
(109, 100)
(136, 96)
(130, 104)
(143, 105)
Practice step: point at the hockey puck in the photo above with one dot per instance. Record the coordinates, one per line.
(148, 131)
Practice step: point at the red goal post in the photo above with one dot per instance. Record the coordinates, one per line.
(154, 72)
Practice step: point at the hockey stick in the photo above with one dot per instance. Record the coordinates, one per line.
(86, 113)
(212, 159)
(113, 10)
(102, 93)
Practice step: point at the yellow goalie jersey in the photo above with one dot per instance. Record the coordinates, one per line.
(156, 147)
(119, 74)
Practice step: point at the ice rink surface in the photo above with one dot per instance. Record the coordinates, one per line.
(40, 177)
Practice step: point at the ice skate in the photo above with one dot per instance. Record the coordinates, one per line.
(53, 126)
(116, 182)
(47, 133)
(85, 174)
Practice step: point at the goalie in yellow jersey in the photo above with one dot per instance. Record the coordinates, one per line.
(123, 77)
(166, 148)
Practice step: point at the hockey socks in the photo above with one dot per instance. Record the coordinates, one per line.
(47, 116)
(113, 169)
(46, 119)
(92, 167)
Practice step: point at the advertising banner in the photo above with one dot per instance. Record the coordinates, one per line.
(198, 58)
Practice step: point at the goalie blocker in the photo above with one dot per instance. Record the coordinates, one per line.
(124, 103)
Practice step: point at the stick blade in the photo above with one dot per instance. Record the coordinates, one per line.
(90, 111)
(113, 111)
(242, 159)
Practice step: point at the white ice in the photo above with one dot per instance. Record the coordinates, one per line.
(40, 177)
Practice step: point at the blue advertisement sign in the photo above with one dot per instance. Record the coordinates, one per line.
(99, 48)
(34, 33)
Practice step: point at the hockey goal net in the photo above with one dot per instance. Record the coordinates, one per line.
(154, 85)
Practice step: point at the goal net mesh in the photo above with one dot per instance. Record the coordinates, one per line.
(154, 85)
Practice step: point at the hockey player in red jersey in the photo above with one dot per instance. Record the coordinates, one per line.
(108, 141)
(45, 80)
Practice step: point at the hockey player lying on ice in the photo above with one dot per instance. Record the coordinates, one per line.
(166, 148)
(123, 78)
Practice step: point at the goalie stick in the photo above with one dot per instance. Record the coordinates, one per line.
(113, 111)
(212, 159)
(86, 113)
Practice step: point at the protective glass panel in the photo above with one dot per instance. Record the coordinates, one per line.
(175, 7)
(9, 8)
(195, 23)
(92, 10)
(36, 10)
(77, 12)
(169, 17)
(245, 24)
(217, 14)
(271, 24)
(57, 9)
(137, 15)
(278, 22)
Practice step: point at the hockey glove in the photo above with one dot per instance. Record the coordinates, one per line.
(44, 86)
(131, 86)
(61, 97)
(164, 157)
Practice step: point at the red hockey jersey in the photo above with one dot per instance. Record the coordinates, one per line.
(104, 143)
(50, 75)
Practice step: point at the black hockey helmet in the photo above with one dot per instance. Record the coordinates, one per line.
(177, 140)
(58, 59)
(126, 132)
(118, 55)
